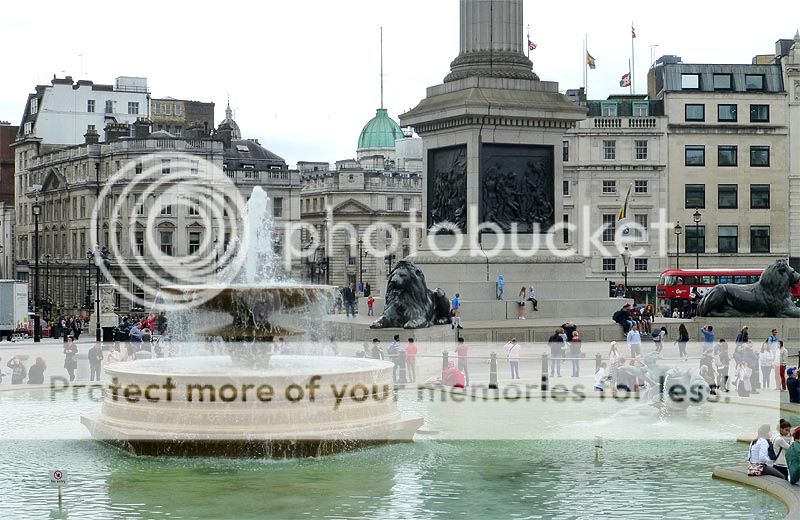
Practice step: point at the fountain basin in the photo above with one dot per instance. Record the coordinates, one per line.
(201, 406)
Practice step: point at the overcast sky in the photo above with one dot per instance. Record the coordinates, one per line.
(303, 75)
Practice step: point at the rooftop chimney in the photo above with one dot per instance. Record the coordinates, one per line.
(141, 128)
(114, 131)
(91, 136)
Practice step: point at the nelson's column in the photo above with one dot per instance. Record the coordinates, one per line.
(492, 134)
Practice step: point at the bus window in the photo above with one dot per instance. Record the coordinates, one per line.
(725, 278)
(689, 280)
(754, 278)
(667, 280)
(708, 280)
(740, 279)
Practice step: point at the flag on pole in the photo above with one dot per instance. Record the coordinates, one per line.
(590, 60)
(623, 211)
(625, 81)
(531, 45)
(633, 32)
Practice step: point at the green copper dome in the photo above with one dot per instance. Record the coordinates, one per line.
(380, 132)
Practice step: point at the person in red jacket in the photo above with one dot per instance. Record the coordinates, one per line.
(451, 376)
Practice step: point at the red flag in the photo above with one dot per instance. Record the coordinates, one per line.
(633, 32)
(531, 45)
(625, 80)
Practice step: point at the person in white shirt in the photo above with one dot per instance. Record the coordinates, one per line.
(600, 378)
(634, 341)
(780, 444)
(765, 359)
(513, 349)
(758, 453)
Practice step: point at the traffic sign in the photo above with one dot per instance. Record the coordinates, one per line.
(58, 477)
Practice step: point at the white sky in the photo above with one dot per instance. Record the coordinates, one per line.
(303, 75)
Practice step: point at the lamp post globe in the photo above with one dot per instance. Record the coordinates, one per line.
(678, 230)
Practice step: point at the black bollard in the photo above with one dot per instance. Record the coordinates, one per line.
(493, 371)
(401, 361)
(544, 371)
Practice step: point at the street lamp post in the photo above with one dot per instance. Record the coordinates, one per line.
(678, 231)
(626, 257)
(360, 265)
(37, 210)
(697, 217)
(326, 263)
(47, 282)
(87, 302)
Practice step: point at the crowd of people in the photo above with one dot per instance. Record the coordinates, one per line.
(775, 454)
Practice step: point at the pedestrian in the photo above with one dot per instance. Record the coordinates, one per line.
(743, 380)
(512, 349)
(349, 297)
(455, 309)
(370, 305)
(751, 358)
(658, 338)
(708, 337)
(575, 353)
(532, 298)
(463, 359)
(452, 376)
(723, 362)
(521, 305)
(683, 339)
(781, 442)
(71, 358)
(18, 370)
(758, 456)
(634, 340)
(765, 359)
(36, 373)
(114, 355)
(743, 336)
(783, 360)
(411, 360)
(377, 351)
(95, 355)
(793, 457)
(600, 378)
(501, 286)
(557, 347)
(793, 386)
(394, 356)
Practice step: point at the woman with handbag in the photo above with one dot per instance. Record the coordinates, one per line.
(71, 357)
(758, 456)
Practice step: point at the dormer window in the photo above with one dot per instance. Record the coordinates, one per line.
(248, 167)
(242, 148)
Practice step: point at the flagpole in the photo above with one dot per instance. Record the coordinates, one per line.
(585, 65)
(633, 62)
(631, 76)
(529, 41)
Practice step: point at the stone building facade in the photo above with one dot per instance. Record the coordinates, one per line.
(175, 115)
(8, 133)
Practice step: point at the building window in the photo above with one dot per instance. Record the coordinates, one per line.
(690, 81)
(168, 109)
(34, 105)
(759, 239)
(565, 151)
(109, 106)
(759, 156)
(166, 242)
(83, 207)
(277, 207)
(640, 264)
(194, 207)
(138, 168)
(727, 155)
(133, 107)
(640, 186)
(28, 129)
(90, 105)
(695, 196)
(166, 206)
(565, 187)
(565, 230)
(194, 242)
(728, 196)
(754, 81)
(608, 109)
(351, 260)
(641, 109)
(640, 145)
(759, 196)
(695, 155)
(138, 206)
(389, 203)
(609, 227)
(726, 113)
(165, 166)
(406, 204)
(178, 109)
(609, 187)
(728, 239)
(609, 149)
(759, 113)
(695, 239)
(609, 264)
(723, 82)
(694, 112)
(641, 221)
(406, 233)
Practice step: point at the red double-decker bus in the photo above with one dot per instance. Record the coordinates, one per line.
(677, 287)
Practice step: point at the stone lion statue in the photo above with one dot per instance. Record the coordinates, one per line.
(767, 298)
(409, 303)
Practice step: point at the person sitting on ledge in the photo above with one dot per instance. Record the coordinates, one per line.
(451, 376)
(793, 457)
(793, 385)
(758, 456)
